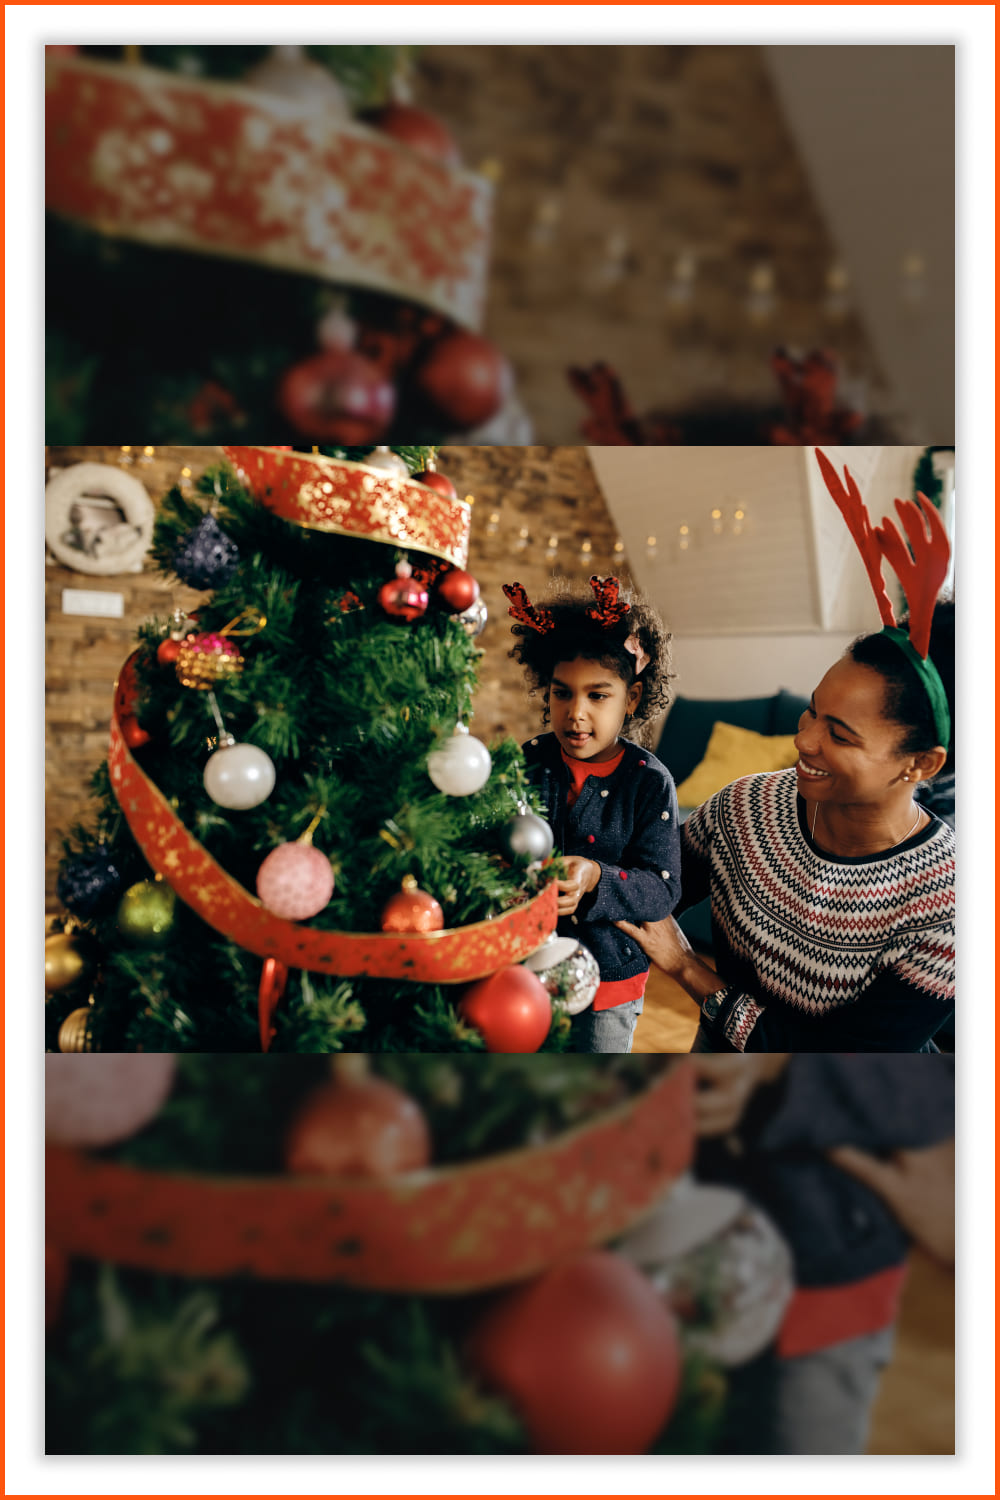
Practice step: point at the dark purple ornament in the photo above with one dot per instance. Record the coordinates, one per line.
(89, 883)
(206, 558)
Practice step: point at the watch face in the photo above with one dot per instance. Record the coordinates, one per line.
(712, 1004)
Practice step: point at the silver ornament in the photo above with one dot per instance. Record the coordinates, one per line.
(720, 1264)
(239, 776)
(461, 766)
(288, 73)
(526, 833)
(390, 463)
(569, 972)
(473, 619)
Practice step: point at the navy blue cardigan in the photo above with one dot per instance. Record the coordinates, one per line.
(627, 822)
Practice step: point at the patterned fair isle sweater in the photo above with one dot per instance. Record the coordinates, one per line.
(828, 954)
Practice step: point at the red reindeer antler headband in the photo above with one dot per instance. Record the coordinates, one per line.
(921, 569)
(607, 611)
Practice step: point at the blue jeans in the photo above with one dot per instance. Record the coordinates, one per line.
(609, 1030)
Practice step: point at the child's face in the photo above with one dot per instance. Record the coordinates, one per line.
(587, 707)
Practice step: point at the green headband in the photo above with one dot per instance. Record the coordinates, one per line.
(929, 679)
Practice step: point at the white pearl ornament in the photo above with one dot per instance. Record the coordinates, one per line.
(239, 776)
(461, 766)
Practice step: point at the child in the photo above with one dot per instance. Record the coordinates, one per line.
(603, 664)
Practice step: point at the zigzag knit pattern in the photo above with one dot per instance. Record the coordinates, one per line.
(819, 931)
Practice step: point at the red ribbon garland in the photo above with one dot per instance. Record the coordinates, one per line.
(452, 956)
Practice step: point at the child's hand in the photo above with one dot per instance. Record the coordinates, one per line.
(582, 876)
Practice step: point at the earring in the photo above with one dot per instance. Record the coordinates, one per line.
(906, 778)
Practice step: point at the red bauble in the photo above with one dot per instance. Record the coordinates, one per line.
(166, 651)
(418, 130)
(458, 591)
(511, 1010)
(587, 1354)
(464, 379)
(132, 732)
(358, 1128)
(337, 397)
(412, 910)
(403, 597)
(435, 480)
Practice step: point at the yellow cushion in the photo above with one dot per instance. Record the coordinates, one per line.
(732, 753)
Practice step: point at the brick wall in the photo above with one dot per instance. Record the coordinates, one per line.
(671, 151)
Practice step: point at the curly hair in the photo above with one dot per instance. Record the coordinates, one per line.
(906, 702)
(574, 634)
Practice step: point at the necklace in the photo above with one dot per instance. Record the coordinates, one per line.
(896, 845)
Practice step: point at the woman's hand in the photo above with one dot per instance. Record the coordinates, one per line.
(665, 945)
(919, 1187)
(582, 876)
(726, 1086)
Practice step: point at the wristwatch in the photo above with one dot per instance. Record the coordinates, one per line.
(713, 1005)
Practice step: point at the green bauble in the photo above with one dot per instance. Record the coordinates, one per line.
(146, 913)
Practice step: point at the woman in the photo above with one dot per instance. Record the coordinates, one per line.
(832, 888)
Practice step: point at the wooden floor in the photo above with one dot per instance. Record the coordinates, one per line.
(669, 1017)
(915, 1410)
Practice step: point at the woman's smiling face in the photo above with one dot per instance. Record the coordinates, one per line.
(587, 707)
(848, 749)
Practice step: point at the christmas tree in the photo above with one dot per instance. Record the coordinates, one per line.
(189, 1308)
(297, 841)
(265, 240)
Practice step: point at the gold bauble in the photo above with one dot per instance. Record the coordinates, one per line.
(69, 958)
(74, 1033)
(146, 913)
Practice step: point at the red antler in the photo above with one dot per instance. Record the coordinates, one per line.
(612, 421)
(851, 506)
(609, 609)
(522, 609)
(923, 573)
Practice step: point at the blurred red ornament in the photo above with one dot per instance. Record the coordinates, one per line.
(273, 979)
(458, 590)
(337, 396)
(417, 129)
(511, 1010)
(403, 597)
(126, 692)
(211, 406)
(412, 910)
(435, 480)
(132, 732)
(167, 651)
(464, 379)
(56, 1278)
(587, 1354)
(358, 1127)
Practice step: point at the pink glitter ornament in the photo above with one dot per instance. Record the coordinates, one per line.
(295, 881)
(104, 1097)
